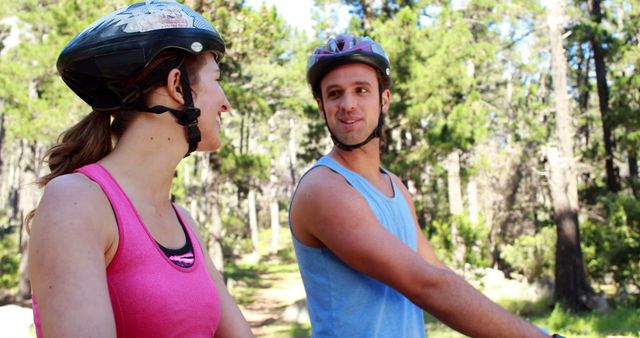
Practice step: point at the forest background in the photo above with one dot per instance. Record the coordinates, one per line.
(514, 124)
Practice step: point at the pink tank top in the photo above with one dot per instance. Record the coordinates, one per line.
(150, 295)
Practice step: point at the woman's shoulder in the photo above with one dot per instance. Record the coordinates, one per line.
(70, 185)
(73, 198)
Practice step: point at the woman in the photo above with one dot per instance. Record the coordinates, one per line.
(110, 255)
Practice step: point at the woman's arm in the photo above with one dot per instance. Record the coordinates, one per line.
(73, 229)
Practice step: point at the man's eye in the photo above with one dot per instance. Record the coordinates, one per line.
(362, 90)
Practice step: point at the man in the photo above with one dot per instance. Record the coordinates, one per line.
(367, 269)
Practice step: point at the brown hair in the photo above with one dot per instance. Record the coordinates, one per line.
(93, 137)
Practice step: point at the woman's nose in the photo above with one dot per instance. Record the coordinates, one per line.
(226, 106)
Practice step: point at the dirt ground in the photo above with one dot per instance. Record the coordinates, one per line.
(16, 322)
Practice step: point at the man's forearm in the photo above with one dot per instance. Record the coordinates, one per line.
(456, 303)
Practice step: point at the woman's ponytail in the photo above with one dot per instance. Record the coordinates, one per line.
(86, 142)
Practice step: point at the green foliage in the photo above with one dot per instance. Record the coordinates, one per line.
(235, 241)
(465, 74)
(446, 102)
(37, 104)
(476, 242)
(474, 236)
(614, 247)
(528, 308)
(441, 240)
(243, 169)
(178, 187)
(617, 322)
(532, 255)
(9, 260)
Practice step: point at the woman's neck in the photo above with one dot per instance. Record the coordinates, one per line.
(145, 159)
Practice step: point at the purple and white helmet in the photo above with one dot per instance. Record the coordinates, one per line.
(345, 49)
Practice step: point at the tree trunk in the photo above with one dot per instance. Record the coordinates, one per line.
(293, 153)
(613, 175)
(242, 134)
(24, 282)
(12, 185)
(472, 197)
(584, 60)
(201, 184)
(620, 16)
(2, 131)
(215, 235)
(367, 14)
(196, 5)
(584, 93)
(253, 219)
(456, 207)
(210, 182)
(453, 182)
(275, 225)
(27, 196)
(274, 212)
(633, 173)
(571, 289)
(4, 167)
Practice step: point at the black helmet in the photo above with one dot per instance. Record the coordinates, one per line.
(120, 45)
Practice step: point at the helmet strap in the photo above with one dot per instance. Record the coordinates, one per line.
(377, 132)
(187, 117)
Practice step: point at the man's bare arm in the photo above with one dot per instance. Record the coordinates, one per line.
(327, 208)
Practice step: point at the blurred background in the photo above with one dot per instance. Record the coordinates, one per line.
(515, 124)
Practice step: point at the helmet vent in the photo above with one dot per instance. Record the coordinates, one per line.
(196, 47)
(346, 49)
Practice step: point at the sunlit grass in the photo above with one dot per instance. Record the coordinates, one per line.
(621, 322)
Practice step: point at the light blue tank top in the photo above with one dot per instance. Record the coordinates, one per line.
(345, 303)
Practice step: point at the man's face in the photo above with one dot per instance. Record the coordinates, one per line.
(351, 101)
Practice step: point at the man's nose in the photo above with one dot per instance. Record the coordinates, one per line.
(348, 102)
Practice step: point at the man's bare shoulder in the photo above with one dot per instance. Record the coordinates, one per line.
(321, 184)
(324, 203)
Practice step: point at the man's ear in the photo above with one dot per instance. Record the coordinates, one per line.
(386, 100)
(174, 86)
(320, 107)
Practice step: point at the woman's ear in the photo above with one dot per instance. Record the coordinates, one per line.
(174, 86)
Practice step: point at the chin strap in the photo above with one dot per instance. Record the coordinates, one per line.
(187, 117)
(377, 132)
